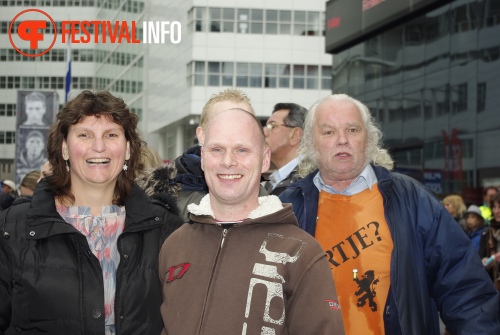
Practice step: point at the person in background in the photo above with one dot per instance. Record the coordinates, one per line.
(397, 256)
(8, 187)
(158, 179)
(29, 183)
(485, 208)
(283, 132)
(82, 257)
(150, 158)
(188, 165)
(455, 205)
(34, 109)
(493, 243)
(45, 170)
(476, 226)
(242, 266)
(8, 194)
(24, 193)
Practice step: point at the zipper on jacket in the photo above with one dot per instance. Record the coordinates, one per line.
(224, 234)
(219, 250)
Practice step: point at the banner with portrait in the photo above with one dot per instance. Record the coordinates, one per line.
(36, 111)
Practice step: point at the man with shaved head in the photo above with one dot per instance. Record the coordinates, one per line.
(242, 265)
(190, 175)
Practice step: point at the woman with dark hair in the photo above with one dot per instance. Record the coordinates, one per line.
(82, 258)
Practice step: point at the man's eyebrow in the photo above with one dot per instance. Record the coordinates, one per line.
(354, 124)
(326, 125)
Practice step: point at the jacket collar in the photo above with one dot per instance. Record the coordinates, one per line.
(43, 220)
(267, 205)
(270, 210)
(307, 184)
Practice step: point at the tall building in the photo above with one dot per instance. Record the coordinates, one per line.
(272, 50)
(431, 78)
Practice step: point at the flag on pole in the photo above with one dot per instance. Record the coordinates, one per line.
(67, 86)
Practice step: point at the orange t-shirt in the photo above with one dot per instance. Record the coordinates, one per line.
(354, 233)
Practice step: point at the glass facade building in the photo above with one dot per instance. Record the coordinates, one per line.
(433, 85)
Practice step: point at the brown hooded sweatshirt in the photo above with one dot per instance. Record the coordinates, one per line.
(263, 275)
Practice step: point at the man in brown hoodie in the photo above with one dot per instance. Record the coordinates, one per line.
(242, 265)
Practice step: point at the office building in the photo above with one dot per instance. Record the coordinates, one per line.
(429, 71)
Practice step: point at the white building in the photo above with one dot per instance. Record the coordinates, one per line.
(273, 50)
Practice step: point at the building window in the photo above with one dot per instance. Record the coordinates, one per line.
(242, 74)
(299, 26)
(312, 77)
(227, 71)
(255, 75)
(10, 110)
(200, 18)
(459, 98)
(271, 22)
(215, 19)
(256, 21)
(326, 77)
(213, 74)
(481, 97)
(298, 76)
(227, 23)
(285, 22)
(10, 137)
(199, 73)
(243, 21)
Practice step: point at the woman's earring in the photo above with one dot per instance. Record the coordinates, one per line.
(125, 166)
(67, 165)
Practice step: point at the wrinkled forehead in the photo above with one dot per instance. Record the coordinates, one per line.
(222, 106)
(235, 121)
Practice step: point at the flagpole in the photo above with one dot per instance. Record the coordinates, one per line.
(67, 86)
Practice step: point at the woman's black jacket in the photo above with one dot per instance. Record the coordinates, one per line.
(51, 283)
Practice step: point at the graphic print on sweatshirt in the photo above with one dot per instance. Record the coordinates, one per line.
(273, 282)
(354, 233)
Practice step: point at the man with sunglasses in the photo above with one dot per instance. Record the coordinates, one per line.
(283, 131)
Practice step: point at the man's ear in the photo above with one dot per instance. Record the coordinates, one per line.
(201, 159)
(200, 134)
(296, 135)
(266, 162)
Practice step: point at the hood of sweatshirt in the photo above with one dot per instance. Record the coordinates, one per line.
(270, 210)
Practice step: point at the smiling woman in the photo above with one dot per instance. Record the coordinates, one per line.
(75, 219)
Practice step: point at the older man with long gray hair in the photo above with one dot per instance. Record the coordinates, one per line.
(397, 256)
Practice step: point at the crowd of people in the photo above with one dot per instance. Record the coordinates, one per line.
(106, 238)
(481, 223)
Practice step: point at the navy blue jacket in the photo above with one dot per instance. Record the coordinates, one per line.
(433, 264)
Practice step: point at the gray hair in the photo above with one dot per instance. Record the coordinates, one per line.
(374, 152)
(296, 114)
